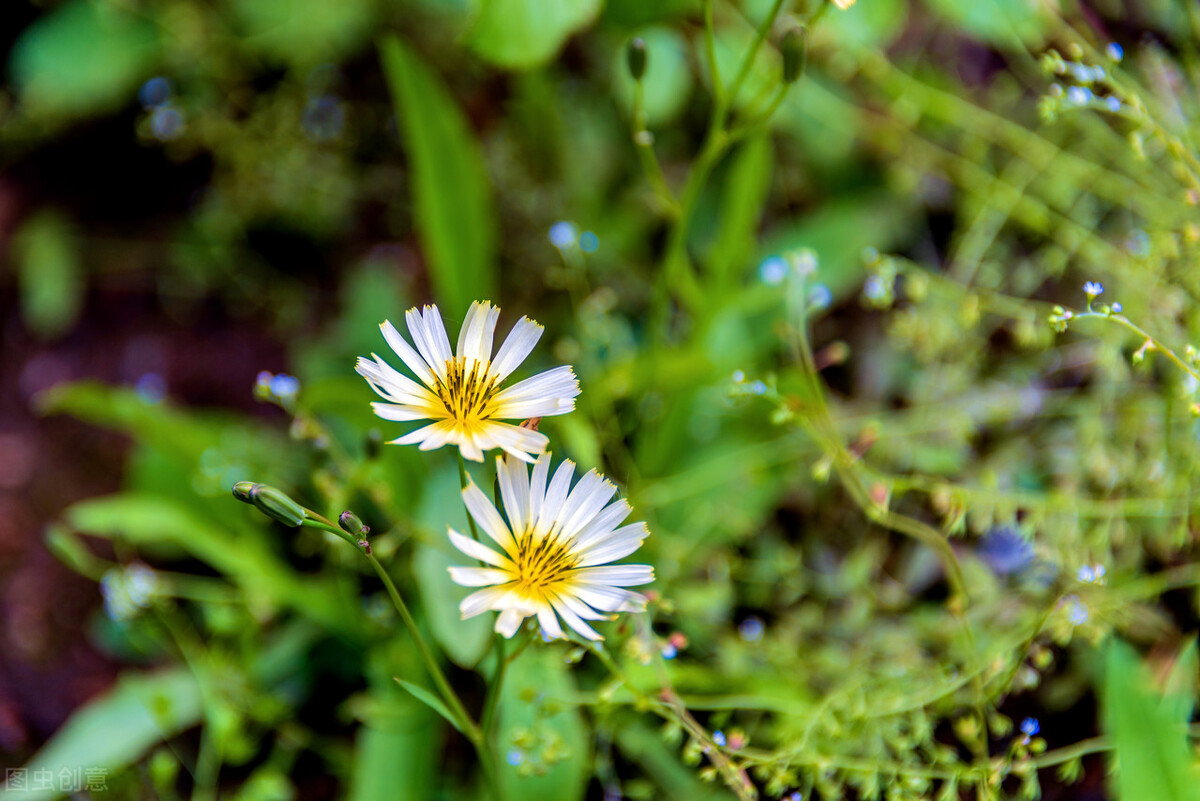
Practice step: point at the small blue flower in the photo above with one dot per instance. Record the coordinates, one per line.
(1079, 95)
(819, 297)
(874, 288)
(1005, 551)
(772, 270)
(719, 738)
(751, 629)
(563, 234)
(669, 651)
(1115, 51)
(515, 757)
(1113, 103)
(589, 242)
(1077, 611)
(1093, 289)
(284, 385)
(1030, 727)
(1117, 308)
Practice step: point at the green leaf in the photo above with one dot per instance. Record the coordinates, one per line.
(304, 32)
(520, 34)
(454, 215)
(1007, 23)
(1152, 748)
(870, 24)
(46, 253)
(119, 726)
(742, 201)
(464, 641)
(82, 58)
(533, 680)
(430, 700)
(143, 519)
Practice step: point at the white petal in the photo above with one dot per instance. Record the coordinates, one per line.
(586, 499)
(424, 342)
(478, 576)
(487, 517)
(475, 336)
(471, 448)
(602, 524)
(615, 575)
(537, 486)
(556, 496)
(516, 348)
(545, 394)
(579, 607)
(393, 385)
(481, 601)
(617, 545)
(436, 331)
(406, 353)
(574, 621)
(549, 622)
(508, 621)
(477, 550)
(437, 432)
(609, 599)
(513, 477)
(398, 413)
(516, 441)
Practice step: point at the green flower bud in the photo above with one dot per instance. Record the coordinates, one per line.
(351, 524)
(635, 58)
(275, 504)
(242, 491)
(795, 53)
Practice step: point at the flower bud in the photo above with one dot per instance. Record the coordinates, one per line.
(351, 524)
(795, 52)
(635, 58)
(242, 491)
(277, 505)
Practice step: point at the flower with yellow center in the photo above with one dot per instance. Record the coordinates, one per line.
(461, 391)
(556, 545)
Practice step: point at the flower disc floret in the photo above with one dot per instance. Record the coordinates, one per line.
(555, 545)
(462, 390)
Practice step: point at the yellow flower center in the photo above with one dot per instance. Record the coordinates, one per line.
(467, 396)
(541, 565)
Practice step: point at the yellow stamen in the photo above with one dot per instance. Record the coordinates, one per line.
(541, 565)
(467, 396)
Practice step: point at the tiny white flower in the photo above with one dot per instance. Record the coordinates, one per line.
(461, 391)
(555, 548)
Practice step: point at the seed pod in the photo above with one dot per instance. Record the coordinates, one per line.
(277, 505)
(242, 491)
(795, 52)
(635, 58)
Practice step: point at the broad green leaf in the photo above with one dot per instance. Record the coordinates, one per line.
(82, 58)
(667, 84)
(537, 675)
(871, 24)
(464, 641)
(116, 728)
(451, 194)
(1180, 696)
(396, 751)
(46, 252)
(520, 34)
(1008, 23)
(430, 700)
(1152, 749)
(741, 205)
(146, 519)
(304, 32)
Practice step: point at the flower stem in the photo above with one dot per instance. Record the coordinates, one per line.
(463, 478)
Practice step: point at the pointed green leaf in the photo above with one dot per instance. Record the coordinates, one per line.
(745, 193)
(430, 700)
(451, 196)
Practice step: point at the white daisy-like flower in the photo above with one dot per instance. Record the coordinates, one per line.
(555, 550)
(460, 391)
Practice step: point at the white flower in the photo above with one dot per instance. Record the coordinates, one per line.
(556, 546)
(461, 392)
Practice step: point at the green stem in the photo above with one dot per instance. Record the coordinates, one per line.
(748, 60)
(463, 479)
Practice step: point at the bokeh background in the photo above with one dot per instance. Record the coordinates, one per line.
(195, 192)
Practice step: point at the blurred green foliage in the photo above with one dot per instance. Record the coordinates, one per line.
(892, 510)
